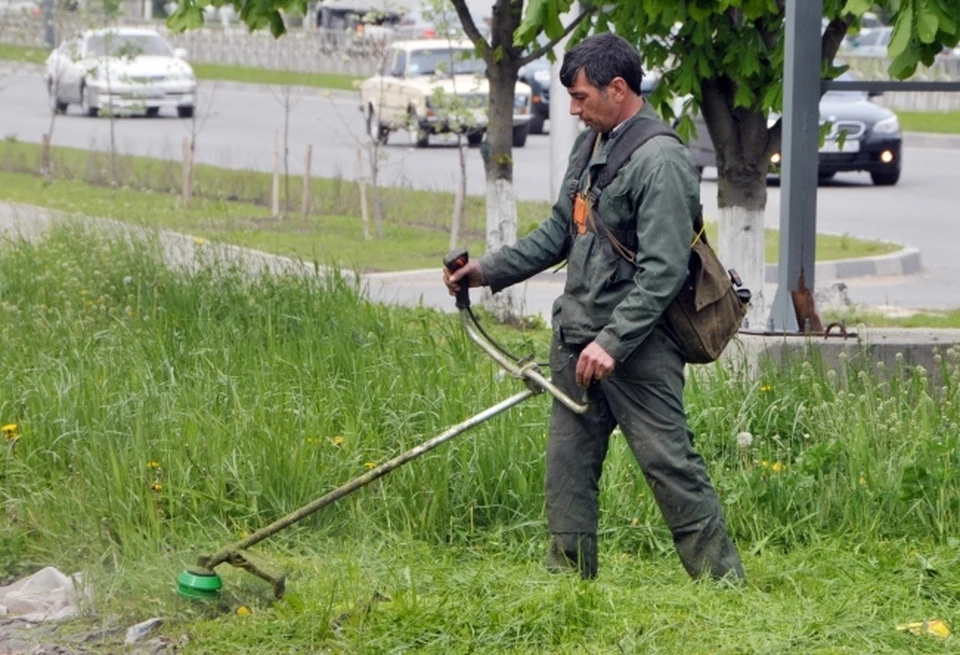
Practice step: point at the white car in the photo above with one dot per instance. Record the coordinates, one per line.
(416, 72)
(123, 70)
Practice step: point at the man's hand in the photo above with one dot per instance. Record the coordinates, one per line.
(595, 363)
(471, 271)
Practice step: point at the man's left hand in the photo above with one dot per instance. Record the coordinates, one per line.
(595, 363)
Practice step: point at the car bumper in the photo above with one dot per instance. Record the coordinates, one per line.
(438, 125)
(870, 157)
(134, 98)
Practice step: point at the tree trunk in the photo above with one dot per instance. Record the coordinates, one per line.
(498, 165)
(743, 146)
(742, 197)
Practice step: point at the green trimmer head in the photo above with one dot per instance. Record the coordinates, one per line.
(198, 583)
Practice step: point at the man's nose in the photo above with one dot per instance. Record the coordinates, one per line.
(575, 108)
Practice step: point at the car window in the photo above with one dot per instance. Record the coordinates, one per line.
(868, 39)
(459, 61)
(399, 63)
(127, 45)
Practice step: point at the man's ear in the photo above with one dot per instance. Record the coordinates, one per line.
(618, 88)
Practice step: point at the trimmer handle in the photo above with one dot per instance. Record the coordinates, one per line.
(454, 261)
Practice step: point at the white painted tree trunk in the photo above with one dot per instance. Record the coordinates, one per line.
(741, 246)
(502, 231)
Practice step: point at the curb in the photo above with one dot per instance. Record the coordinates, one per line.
(902, 262)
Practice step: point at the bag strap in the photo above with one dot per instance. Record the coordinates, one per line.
(626, 142)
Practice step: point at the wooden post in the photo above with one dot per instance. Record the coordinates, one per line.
(276, 174)
(305, 208)
(45, 167)
(362, 183)
(186, 166)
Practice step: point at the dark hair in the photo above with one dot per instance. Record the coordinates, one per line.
(603, 57)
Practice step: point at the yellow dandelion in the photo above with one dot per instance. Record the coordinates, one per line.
(153, 465)
(9, 427)
(199, 242)
(313, 441)
(863, 480)
(369, 465)
(337, 441)
(156, 486)
(778, 467)
(635, 521)
(243, 610)
(764, 464)
(766, 388)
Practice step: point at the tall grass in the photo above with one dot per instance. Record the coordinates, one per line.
(155, 406)
(160, 412)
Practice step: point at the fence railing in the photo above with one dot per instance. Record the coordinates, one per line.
(310, 50)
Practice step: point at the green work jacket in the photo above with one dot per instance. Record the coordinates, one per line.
(608, 299)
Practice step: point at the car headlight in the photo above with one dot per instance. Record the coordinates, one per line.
(519, 102)
(887, 126)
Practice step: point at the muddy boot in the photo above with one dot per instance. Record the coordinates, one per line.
(572, 552)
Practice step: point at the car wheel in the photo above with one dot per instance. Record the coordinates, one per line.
(185, 112)
(475, 138)
(536, 124)
(153, 112)
(886, 178)
(376, 130)
(85, 106)
(520, 135)
(418, 136)
(56, 106)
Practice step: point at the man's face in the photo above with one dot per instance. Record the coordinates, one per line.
(599, 109)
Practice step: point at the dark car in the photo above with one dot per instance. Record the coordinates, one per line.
(537, 75)
(872, 141)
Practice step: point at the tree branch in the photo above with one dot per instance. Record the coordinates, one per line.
(470, 27)
(832, 37)
(539, 52)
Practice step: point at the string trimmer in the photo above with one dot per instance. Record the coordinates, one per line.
(201, 582)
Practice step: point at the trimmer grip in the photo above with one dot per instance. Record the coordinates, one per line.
(454, 261)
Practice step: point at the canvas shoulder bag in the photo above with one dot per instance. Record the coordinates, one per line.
(709, 309)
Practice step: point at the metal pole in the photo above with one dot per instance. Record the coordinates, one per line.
(793, 302)
(48, 36)
(226, 553)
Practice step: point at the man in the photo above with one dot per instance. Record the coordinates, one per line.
(608, 332)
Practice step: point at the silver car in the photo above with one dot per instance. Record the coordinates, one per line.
(121, 70)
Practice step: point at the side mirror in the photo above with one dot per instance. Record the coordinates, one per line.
(180, 53)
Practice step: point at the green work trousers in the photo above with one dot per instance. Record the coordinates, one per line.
(644, 396)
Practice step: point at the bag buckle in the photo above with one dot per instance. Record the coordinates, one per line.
(737, 282)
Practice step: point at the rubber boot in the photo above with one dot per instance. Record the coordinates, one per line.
(572, 552)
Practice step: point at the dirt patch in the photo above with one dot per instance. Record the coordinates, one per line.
(77, 638)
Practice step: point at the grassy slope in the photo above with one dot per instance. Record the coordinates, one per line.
(416, 224)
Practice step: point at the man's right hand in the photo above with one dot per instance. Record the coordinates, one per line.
(471, 271)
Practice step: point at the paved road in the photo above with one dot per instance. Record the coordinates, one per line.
(236, 129)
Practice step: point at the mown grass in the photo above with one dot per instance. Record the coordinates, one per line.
(942, 122)
(26, 54)
(161, 412)
(232, 207)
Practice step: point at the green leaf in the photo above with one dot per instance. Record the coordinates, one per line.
(928, 24)
(901, 34)
(744, 97)
(857, 7)
(532, 23)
